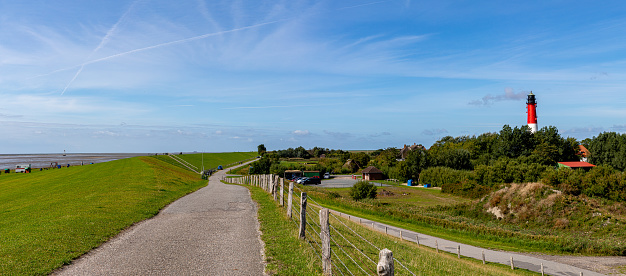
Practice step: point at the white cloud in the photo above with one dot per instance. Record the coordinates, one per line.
(301, 132)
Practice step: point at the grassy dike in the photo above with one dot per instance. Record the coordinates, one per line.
(287, 255)
(49, 218)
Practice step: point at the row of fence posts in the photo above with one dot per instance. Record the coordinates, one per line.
(275, 185)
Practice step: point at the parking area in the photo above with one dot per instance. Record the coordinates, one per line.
(342, 182)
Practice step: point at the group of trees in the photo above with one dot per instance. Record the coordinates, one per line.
(472, 165)
(607, 149)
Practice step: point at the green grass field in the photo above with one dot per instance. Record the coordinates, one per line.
(49, 218)
(415, 209)
(288, 255)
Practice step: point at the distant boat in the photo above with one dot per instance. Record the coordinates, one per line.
(63, 152)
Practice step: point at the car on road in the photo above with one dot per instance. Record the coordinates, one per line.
(312, 180)
(327, 175)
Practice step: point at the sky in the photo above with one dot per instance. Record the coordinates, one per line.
(219, 76)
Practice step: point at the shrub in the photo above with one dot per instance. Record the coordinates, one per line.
(363, 189)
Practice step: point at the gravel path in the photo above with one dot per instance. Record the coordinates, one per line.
(213, 231)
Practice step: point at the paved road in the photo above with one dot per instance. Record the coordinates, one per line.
(519, 260)
(342, 182)
(213, 231)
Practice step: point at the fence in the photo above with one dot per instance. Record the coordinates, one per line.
(341, 249)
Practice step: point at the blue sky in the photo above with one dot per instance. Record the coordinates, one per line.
(196, 75)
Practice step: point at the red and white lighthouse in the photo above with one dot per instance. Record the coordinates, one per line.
(531, 105)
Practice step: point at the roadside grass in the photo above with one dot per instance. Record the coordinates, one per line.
(285, 254)
(417, 215)
(49, 218)
(211, 160)
(288, 255)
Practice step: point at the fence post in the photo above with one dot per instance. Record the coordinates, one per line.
(385, 263)
(512, 265)
(275, 189)
(484, 258)
(458, 251)
(290, 199)
(302, 233)
(541, 269)
(282, 192)
(325, 237)
(436, 246)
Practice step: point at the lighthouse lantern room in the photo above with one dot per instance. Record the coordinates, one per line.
(531, 105)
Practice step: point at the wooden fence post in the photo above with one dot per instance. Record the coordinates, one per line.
(302, 233)
(436, 246)
(282, 192)
(512, 265)
(290, 199)
(458, 251)
(385, 263)
(325, 237)
(484, 257)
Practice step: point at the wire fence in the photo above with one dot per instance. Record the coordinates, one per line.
(351, 253)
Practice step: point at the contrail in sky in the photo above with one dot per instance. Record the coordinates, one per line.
(104, 40)
(114, 28)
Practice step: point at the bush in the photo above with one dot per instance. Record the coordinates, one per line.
(363, 189)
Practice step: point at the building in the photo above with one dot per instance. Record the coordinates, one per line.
(531, 109)
(372, 173)
(404, 152)
(583, 153)
(576, 165)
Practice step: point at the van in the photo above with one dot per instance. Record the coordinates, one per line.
(22, 168)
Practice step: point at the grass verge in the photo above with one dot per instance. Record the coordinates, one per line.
(288, 255)
(49, 218)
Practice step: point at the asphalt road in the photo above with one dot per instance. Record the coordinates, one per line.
(493, 256)
(342, 182)
(213, 231)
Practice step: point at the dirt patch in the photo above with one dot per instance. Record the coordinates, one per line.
(609, 265)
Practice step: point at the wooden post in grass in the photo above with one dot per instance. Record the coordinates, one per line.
(512, 265)
(541, 269)
(385, 263)
(302, 233)
(282, 192)
(325, 237)
(290, 199)
(436, 246)
(275, 188)
(417, 239)
(484, 257)
(458, 251)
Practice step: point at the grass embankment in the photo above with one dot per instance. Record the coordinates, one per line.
(211, 160)
(49, 218)
(288, 255)
(431, 212)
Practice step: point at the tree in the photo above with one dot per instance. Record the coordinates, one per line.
(416, 161)
(363, 189)
(261, 149)
(360, 158)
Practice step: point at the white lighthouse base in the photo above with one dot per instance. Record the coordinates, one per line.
(533, 128)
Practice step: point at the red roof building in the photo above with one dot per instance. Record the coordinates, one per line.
(576, 165)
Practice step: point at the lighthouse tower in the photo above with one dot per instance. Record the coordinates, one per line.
(531, 105)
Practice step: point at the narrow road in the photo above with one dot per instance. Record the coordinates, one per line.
(213, 231)
(519, 260)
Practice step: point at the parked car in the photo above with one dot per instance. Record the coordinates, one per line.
(312, 180)
(327, 175)
(301, 179)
